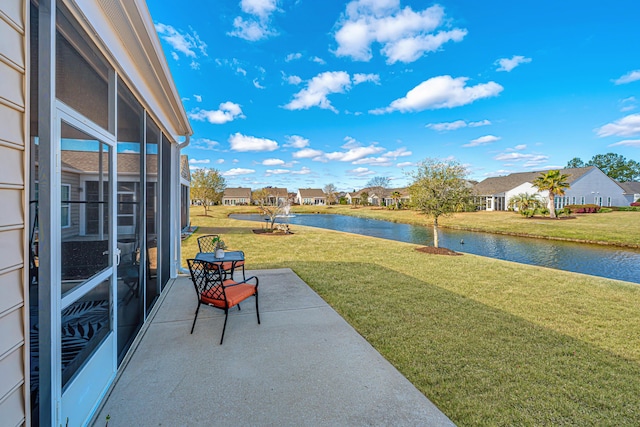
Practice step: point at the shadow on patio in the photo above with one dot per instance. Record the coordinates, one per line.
(304, 365)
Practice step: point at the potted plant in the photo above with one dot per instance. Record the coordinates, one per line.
(219, 246)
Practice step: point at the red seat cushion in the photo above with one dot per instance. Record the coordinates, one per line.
(235, 294)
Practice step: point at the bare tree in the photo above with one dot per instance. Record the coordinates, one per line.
(379, 186)
(267, 208)
(330, 191)
(439, 188)
(207, 187)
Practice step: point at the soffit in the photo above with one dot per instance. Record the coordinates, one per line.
(127, 35)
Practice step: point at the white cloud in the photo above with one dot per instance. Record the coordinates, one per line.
(257, 26)
(259, 8)
(204, 144)
(197, 97)
(441, 92)
(273, 162)
(628, 104)
(530, 160)
(199, 162)
(228, 111)
(403, 34)
(292, 56)
(296, 141)
(270, 172)
(630, 77)
(294, 80)
(360, 172)
(317, 60)
(626, 126)
(627, 143)
(386, 159)
(506, 64)
(353, 154)
(520, 147)
(243, 143)
(220, 161)
(324, 84)
(361, 78)
(458, 124)
(238, 172)
(405, 164)
(257, 84)
(307, 153)
(483, 140)
(317, 90)
(303, 171)
(188, 44)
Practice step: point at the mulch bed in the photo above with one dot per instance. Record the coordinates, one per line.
(270, 233)
(437, 251)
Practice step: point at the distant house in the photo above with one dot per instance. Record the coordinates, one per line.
(276, 196)
(236, 196)
(588, 185)
(311, 196)
(631, 191)
(405, 197)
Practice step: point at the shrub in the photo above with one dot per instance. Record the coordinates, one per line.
(635, 204)
(605, 210)
(628, 208)
(590, 208)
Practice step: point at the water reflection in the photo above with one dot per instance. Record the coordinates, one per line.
(604, 261)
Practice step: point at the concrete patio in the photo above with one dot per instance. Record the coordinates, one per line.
(303, 366)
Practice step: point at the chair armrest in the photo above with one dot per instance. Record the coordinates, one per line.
(244, 282)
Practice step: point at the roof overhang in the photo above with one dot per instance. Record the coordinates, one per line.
(124, 31)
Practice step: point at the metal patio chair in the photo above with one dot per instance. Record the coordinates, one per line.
(214, 290)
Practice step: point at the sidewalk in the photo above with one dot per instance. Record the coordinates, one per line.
(303, 366)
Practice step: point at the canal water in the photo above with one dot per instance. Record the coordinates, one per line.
(596, 260)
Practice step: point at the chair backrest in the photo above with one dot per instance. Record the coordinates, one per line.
(207, 279)
(208, 243)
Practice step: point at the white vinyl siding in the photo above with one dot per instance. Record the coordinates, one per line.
(13, 142)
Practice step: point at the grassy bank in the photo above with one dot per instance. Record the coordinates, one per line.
(488, 341)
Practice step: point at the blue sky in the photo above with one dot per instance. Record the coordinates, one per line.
(305, 93)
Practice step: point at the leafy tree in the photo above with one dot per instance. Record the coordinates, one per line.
(364, 198)
(555, 183)
(439, 188)
(396, 196)
(576, 162)
(616, 166)
(207, 187)
(331, 191)
(378, 186)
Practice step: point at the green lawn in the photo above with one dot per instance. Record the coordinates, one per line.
(488, 341)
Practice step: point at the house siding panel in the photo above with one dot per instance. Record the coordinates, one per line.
(11, 213)
(13, 140)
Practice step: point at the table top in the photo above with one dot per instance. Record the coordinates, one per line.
(229, 256)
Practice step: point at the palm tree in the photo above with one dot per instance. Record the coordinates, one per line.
(396, 196)
(555, 183)
(524, 201)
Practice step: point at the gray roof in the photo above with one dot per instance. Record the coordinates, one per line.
(311, 192)
(631, 187)
(234, 193)
(501, 184)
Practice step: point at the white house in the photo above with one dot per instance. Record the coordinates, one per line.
(236, 196)
(588, 185)
(631, 191)
(311, 196)
(90, 137)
